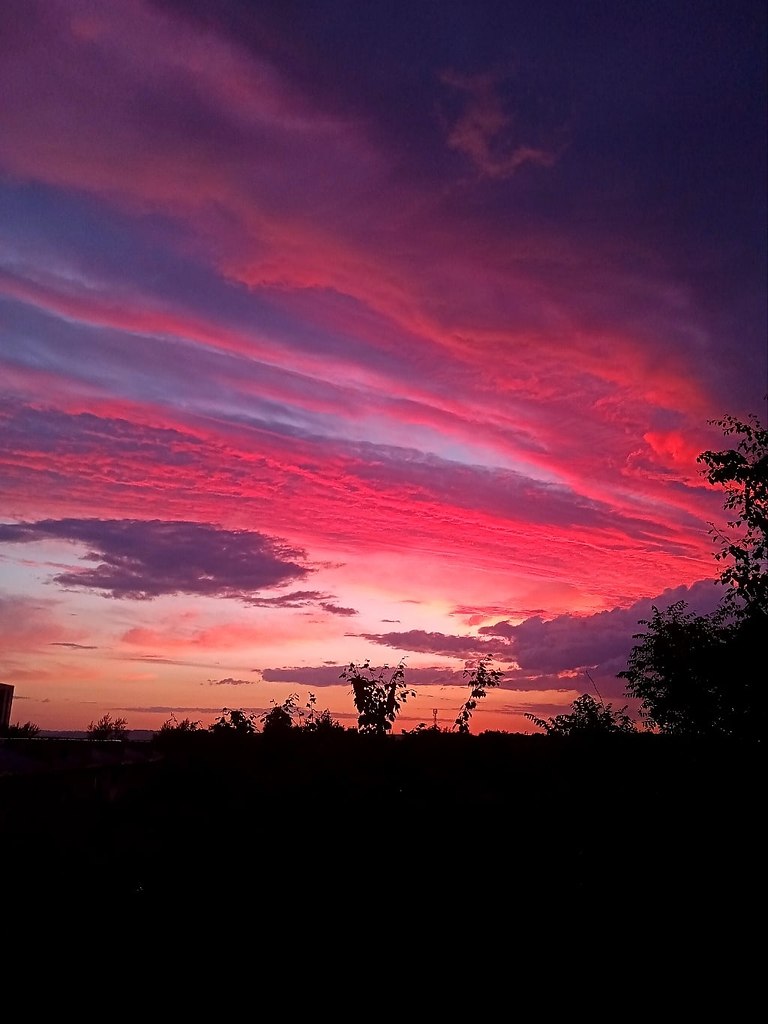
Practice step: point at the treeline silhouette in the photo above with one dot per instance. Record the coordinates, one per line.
(417, 820)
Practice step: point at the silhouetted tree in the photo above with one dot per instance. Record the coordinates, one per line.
(289, 715)
(703, 674)
(481, 679)
(108, 728)
(422, 729)
(588, 717)
(176, 735)
(279, 719)
(318, 721)
(28, 729)
(378, 695)
(235, 722)
(743, 473)
(699, 675)
(186, 725)
(324, 723)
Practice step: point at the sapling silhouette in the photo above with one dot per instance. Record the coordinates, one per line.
(288, 715)
(378, 696)
(318, 721)
(481, 679)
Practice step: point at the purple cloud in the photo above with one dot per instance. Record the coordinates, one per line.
(295, 599)
(320, 675)
(439, 643)
(74, 647)
(229, 681)
(330, 675)
(335, 609)
(145, 559)
(571, 642)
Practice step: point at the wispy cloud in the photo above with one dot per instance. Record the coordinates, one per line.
(229, 681)
(74, 647)
(486, 130)
(330, 675)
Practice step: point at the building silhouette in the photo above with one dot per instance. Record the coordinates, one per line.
(6, 702)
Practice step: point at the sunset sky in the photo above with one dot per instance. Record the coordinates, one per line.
(336, 331)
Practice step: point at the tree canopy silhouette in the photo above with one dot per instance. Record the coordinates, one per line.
(587, 718)
(703, 674)
(234, 722)
(26, 729)
(743, 545)
(108, 728)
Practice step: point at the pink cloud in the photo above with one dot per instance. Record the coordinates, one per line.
(409, 504)
(173, 633)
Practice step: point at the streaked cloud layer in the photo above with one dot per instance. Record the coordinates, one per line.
(356, 317)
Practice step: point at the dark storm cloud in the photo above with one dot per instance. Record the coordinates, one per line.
(146, 559)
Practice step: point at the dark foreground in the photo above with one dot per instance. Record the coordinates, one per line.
(502, 823)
